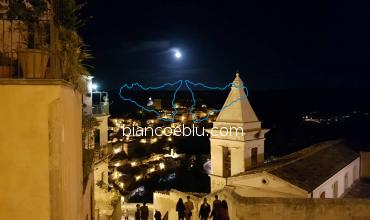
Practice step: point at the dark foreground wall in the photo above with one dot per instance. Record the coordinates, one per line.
(247, 208)
(242, 208)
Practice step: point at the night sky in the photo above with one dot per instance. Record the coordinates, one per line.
(275, 45)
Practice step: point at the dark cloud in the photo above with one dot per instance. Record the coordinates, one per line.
(156, 46)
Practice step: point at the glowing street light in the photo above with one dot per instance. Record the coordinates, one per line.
(121, 185)
(161, 166)
(94, 86)
(117, 150)
(138, 177)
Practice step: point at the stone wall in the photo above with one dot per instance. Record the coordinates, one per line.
(242, 208)
(40, 150)
(249, 208)
(365, 165)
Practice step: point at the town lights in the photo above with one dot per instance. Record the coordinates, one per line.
(143, 140)
(161, 166)
(117, 150)
(121, 185)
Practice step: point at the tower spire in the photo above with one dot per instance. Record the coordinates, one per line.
(236, 152)
(237, 107)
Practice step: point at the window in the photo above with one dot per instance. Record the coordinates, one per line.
(227, 162)
(335, 189)
(322, 195)
(102, 176)
(254, 156)
(346, 181)
(97, 137)
(354, 173)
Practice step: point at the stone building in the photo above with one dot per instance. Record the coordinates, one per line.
(252, 186)
(41, 153)
(243, 147)
(323, 170)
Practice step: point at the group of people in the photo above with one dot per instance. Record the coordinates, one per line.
(219, 210)
(185, 210)
(142, 212)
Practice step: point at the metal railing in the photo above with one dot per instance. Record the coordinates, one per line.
(12, 39)
(16, 38)
(101, 108)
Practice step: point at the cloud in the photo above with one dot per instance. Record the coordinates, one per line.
(158, 45)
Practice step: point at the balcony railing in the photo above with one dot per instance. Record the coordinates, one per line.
(17, 60)
(101, 109)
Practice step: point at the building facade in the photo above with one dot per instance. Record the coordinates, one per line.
(40, 150)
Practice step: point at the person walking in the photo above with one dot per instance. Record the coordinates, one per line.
(157, 215)
(224, 211)
(204, 211)
(144, 212)
(216, 208)
(137, 213)
(189, 206)
(180, 209)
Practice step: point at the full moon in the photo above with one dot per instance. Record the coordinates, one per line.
(178, 55)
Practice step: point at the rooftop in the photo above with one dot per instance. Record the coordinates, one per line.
(318, 162)
(237, 107)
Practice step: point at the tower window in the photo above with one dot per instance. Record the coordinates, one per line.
(227, 162)
(254, 157)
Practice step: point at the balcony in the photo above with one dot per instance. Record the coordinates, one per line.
(101, 108)
(17, 59)
(39, 51)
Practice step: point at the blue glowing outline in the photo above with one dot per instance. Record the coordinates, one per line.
(152, 88)
(214, 88)
(180, 82)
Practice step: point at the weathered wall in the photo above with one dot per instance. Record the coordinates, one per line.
(103, 129)
(71, 162)
(88, 199)
(365, 164)
(352, 170)
(40, 150)
(243, 208)
(101, 171)
(253, 208)
(254, 186)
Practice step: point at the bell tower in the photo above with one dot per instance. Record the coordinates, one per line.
(237, 139)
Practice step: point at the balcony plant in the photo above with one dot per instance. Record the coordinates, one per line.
(71, 50)
(34, 58)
